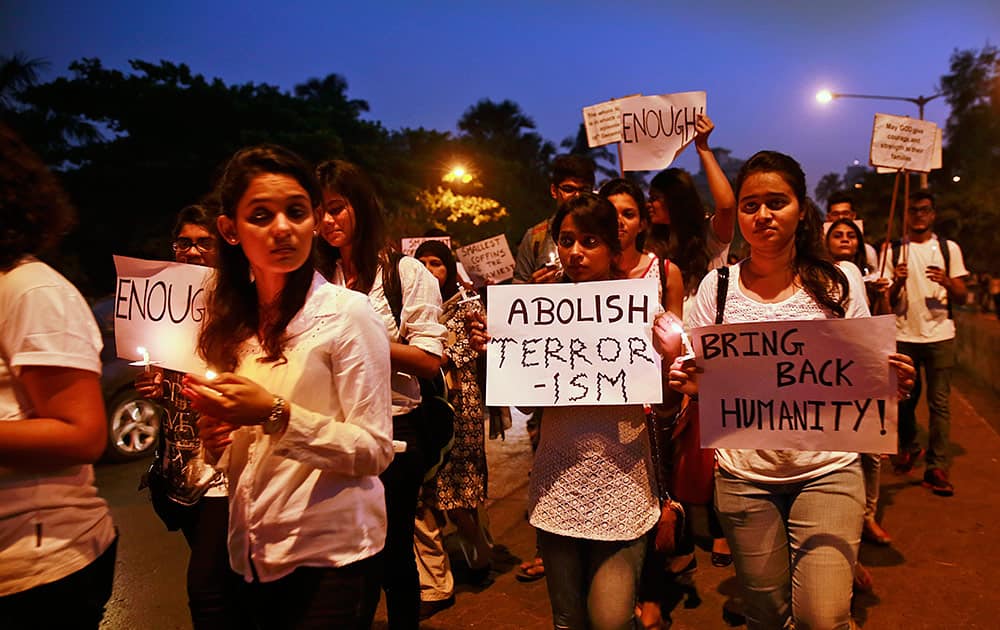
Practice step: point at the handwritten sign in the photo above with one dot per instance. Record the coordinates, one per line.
(655, 129)
(410, 245)
(603, 123)
(572, 344)
(159, 306)
(936, 156)
(817, 385)
(487, 260)
(900, 142)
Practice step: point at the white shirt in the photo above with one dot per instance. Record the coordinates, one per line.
(922, 312)
(774, 466)
(419, 324)
(311, 496)
(52, 523)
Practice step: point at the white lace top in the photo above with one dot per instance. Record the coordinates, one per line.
(764, 465)
(592, 476)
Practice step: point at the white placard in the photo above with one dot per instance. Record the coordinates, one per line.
(936, 160)
(655, 129)
(817, 385)
(603, 123)
(410, 245)
(159, 306)
(554, 345)
(487, 260)
(900, 142)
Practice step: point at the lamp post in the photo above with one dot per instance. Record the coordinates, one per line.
(825, 96)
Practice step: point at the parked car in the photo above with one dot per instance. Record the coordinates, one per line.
(133, 421)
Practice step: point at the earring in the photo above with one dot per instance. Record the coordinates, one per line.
(232, 240)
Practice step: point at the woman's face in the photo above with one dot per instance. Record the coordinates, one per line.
(195, 245)
(337, 226)
(658, 213)
(842, 242)
(436, 267)
(769, 212)
(584, 256)
(630, 224)
(274, 224)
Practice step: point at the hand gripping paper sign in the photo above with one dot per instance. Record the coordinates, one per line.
(655, 129)
(555, 345)
(817, 385)
(159, 307)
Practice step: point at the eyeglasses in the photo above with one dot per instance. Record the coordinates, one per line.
(204, 244)
(570, 189)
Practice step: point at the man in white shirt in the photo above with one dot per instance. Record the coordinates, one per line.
(928, 276)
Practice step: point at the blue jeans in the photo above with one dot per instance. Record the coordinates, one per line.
(592, 583)
(937, 360)
(794, 546)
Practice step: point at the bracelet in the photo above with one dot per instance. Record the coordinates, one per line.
(275, 421)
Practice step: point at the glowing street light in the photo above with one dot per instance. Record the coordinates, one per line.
(824, 96)
(457, 175)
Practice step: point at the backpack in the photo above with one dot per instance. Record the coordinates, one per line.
(437, 428)
(945, 253)
(720, 294)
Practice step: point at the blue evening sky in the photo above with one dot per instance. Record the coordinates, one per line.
(423, 63)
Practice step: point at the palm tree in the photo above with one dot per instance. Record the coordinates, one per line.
(17, 73)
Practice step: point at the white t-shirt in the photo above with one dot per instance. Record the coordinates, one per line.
(311, 495)
(774, 466)
(922, 317)
(52, 524)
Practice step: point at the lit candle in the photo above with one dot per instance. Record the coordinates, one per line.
(145, 357)
(685, 341)
(553, 261)
(465, 295)
(210, 375)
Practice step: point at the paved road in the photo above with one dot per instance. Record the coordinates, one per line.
(941, 572)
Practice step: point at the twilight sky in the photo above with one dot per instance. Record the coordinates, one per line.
(423, 63)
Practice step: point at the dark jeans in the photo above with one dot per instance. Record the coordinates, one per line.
(591, 583)
(75, 602)
(402, 481)
(937, 360)
(314, 598)
(213, 587)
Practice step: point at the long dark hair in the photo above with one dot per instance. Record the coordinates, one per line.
(442, 251)
(233, 313)
(820, 277)
(860, 258)
(369, 246)
(622, 186)
(683, 239)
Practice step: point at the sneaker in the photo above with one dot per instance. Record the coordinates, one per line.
(905, 460)
(936, 480)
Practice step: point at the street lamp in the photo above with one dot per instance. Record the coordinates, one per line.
(825, 96)
(458, 175)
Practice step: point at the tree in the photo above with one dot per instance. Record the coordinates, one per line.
(512, 160)
(968, 210)
(828, 184)
(134, 147)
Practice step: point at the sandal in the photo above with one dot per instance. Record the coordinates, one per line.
(530, 571)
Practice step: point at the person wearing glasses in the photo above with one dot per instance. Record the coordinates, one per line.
(928, 276)
(187, 493)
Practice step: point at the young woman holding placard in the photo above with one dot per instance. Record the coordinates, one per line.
(792, 518)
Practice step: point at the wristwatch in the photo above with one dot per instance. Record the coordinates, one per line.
(275, 422)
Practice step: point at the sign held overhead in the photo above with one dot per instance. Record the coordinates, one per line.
(900, 142)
